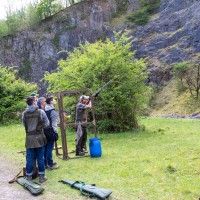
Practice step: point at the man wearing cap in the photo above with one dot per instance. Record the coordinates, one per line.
(36, 96)
(81, 117)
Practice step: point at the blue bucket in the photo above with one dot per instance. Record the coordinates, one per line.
(95, 147)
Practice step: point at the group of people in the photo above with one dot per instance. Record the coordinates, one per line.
(40, 122)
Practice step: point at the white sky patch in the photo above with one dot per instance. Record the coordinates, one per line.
(14, 5)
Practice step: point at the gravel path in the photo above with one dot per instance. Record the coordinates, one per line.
(14, 191)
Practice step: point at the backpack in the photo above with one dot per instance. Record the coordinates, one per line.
(49, 132)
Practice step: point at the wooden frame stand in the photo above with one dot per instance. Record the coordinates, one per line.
(63, 125)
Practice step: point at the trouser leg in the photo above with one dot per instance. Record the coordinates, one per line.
(78, 145)
(84, 138)
(48, 152)
(40, 159)
(30, 154)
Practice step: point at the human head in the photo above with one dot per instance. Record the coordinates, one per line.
(41, 102)
(30, 101)
(84, 98)
(50, 100)
(34, 95)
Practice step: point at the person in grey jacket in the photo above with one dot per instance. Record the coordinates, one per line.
(51, 133)
(34, 120)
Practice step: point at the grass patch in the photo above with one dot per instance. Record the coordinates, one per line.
(158, 162)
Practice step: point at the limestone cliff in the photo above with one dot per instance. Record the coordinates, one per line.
(172, 35)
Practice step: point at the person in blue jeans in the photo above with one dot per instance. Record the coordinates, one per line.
(51, 133)
(34, 120)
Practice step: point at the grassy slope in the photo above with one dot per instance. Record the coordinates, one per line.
(170, 100)
(161, 162)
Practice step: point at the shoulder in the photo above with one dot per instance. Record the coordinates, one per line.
(41, 111)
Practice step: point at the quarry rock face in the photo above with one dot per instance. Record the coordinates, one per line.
(171, 36)
(37, 50)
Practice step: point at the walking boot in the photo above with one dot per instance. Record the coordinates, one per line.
(54, 166)
(80, 153)
(29, 178)
(42, 178)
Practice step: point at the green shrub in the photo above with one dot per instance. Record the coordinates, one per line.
(141, 16)
(150, 5)
(12, 94)
(91, 66)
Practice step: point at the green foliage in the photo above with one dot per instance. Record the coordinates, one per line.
(91, 66)
(179, 71)
(25, 69)
(13, 23)
(121, 7)
(31, 14)
(141, 16)
(12, 93)
(150, 5)
(3, 28)
(189, 76)
(47, 8)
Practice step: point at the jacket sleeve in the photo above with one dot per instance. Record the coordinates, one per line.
(44, 118)
(54, 118)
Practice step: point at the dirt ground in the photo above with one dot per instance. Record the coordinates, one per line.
(14, 191)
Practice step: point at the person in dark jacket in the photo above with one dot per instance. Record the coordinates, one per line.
(35, 120)
(51, 133)
(81, 117)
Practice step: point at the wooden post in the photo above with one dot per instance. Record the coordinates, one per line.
(62, 126)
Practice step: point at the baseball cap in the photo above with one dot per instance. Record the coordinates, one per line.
(84, 97)
(34, 94)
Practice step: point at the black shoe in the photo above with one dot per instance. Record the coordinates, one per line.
(80, 153)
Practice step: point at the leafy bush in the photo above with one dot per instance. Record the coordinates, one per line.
(139, 17)
(12, 93)
(150, 5)
(91, 66)
(147, 7)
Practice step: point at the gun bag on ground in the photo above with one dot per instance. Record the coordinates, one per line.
(33, 187)
(89, 189)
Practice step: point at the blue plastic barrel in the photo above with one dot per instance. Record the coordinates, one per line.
(95, 147)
